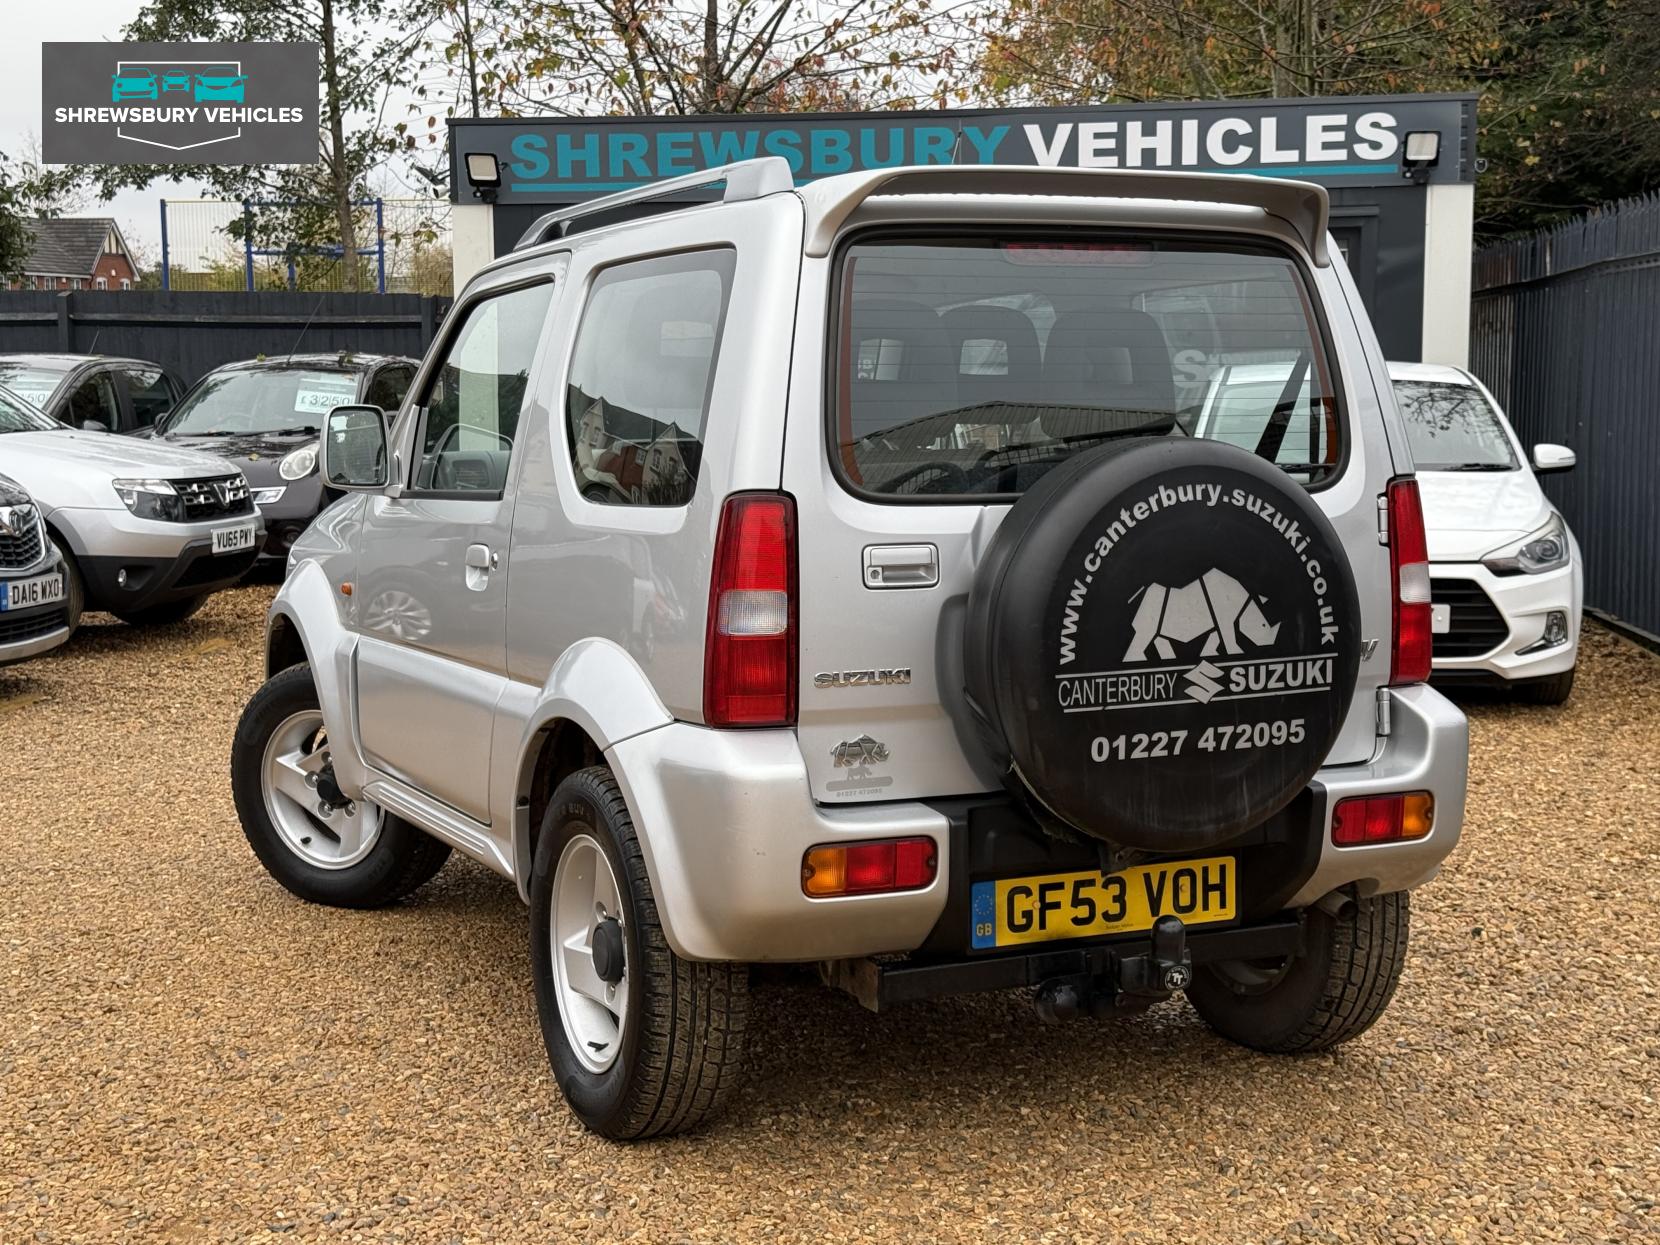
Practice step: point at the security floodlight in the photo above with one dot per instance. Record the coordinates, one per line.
(483, 174)
(1421, 153)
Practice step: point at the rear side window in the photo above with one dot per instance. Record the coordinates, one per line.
(151, 395)
(971, 367)
(638, 395)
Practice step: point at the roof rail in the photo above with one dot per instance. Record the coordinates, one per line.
(745, 179)
(1303, 206)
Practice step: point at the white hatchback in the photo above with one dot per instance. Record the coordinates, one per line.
(1507, 582)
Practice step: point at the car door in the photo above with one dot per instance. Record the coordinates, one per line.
(431, 588)
(93, 398)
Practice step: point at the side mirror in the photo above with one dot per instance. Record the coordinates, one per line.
(1548, 458)
(354, 449)
(94, 425)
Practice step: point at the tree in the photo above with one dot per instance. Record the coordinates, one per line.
(360, 65)
(1078, 51)
(647, 57)
(27, 192)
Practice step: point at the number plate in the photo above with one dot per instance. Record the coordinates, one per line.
(233, 539)
(20, 594)
(1440, 619)
(1011, 911)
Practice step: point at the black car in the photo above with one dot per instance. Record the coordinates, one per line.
(94, 392)
(265, 416)
(33, 591)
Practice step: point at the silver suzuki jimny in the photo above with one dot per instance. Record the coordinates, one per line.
(838, 574)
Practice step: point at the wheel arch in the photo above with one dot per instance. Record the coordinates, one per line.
(304, 624)
(595, 696)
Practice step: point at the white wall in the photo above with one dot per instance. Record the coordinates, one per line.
(1449, 233)
(472, 240)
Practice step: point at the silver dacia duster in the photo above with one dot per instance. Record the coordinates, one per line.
(833, 575)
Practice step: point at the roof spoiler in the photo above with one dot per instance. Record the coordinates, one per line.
(1301, 205)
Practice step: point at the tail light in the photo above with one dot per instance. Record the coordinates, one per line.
(1382, 819)
(1409, 570)
(749, 659)
(881, 866)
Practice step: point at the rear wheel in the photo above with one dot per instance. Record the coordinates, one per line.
(642, 1042)
(1334, 991)
(320, 844)
(161, 615)
(1552, 690)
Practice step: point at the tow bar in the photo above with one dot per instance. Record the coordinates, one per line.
(1133, 983)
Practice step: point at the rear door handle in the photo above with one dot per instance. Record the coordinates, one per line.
(902, 566)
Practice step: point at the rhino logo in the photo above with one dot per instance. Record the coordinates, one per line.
(858, 753)
(1215, 606)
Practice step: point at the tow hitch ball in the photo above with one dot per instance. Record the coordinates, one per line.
(1129, 983)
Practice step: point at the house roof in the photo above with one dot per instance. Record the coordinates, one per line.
(69, 246)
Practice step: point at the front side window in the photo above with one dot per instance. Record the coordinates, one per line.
(470, 418)
(94, 400)
(270, 400)
(388, 388)
(972, 366)
(1452, 428)
(641, 374)
(151, 394)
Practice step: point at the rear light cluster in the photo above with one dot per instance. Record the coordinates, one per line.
(1382, 819)
(1409, 574)
(884, 865)
(749, 662)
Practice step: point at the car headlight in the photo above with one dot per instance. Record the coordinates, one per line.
(151, 499)
(1544, 550)
(297, 464)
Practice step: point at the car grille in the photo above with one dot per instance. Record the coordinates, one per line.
(215, 497)
(30, 627)
(1476, 626)
(21, 550)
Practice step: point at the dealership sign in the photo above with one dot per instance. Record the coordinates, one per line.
(179, 103)
(1340, 142)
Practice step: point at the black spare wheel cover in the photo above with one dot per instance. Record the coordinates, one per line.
(1161, 642)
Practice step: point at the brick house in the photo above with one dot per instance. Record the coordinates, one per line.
(77, 253)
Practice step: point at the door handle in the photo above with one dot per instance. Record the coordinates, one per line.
(901, 566)
(481, 560)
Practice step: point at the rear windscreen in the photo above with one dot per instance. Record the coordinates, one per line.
(971, 367)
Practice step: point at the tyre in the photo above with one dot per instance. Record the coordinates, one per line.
(74, 587)
(1334, 991)
(1161, 643)
(642, 1042)
(161, 615)
(1552, 690)
(320, 845)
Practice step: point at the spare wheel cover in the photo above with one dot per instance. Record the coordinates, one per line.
(1162, 642)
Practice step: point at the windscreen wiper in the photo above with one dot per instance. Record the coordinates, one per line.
(1473, 467)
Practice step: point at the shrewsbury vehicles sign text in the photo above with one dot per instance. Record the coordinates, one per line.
(1347, 142)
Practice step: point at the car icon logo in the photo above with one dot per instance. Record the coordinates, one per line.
(226, 88)
(135, 83)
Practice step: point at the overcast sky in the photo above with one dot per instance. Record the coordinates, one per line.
(30, 23)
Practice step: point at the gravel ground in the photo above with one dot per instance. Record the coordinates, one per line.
(188, 1054)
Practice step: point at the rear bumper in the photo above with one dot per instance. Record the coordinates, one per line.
(725, 817)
